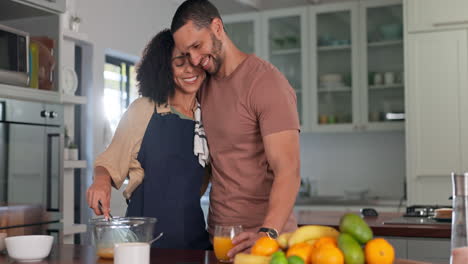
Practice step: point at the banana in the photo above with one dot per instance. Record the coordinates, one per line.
(311, 242)
(283, 240)
(243, 258)
(310, 232)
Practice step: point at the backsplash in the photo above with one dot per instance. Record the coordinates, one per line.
(352, 161)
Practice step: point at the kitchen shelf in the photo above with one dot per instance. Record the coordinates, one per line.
(75, 36)
(75, 164)
(385, 43)
(29, 94)
(286, 51)
(332, 90)
(36, 95)
(74, 229)
(382, 87)
(73, 99)
(335, 47)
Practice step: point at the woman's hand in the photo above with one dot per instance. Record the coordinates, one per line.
(100, 190)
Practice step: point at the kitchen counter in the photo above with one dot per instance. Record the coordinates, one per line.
(442, 230)
(341, 200)
(71, 254)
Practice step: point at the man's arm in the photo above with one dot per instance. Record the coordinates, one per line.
(282, 151)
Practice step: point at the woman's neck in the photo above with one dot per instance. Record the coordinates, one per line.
(184, 103)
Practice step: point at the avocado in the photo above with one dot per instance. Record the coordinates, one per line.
(352, 251)
(355, 226)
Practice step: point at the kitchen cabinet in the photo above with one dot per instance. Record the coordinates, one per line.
(434, 250)
(437, 104)
(56, 6)
(285, 41)
(423, 15)
(357, 66)
(244, 31)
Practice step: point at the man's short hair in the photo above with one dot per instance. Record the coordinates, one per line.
(201, 12)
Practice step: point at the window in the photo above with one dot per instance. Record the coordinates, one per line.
(119, 88)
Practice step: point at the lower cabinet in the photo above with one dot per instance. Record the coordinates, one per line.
(433, 250)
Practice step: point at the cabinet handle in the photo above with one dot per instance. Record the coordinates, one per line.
(454, 23)
(53, 1)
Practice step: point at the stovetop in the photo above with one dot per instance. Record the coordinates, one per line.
(420, 215)
(422, 210)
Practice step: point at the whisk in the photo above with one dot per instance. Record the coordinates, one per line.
(119, 233)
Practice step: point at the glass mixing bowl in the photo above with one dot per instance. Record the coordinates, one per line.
(106, 233)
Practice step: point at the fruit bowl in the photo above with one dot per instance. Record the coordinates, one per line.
(106, 233)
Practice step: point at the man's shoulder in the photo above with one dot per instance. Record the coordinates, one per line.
(259, 69)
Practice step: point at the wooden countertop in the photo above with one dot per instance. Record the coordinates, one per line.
(376, 223)
(74, 254)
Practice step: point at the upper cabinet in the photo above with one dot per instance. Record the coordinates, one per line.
(436, 14)
(382, 62)
(344, 60)
(357, 66)
(334, 69)
(285, 38)
(244, 31)
(57, 6)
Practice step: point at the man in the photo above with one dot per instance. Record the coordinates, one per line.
(252, 126)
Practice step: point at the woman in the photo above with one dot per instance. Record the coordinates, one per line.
(154, 146)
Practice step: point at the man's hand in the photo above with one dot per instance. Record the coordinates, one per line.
(243, 242)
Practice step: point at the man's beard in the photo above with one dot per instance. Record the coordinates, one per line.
(216, 54)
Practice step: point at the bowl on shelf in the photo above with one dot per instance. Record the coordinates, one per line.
(391, 31)
(29, 248)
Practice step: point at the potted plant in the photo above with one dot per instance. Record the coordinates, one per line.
(75, 23)
(72, 151)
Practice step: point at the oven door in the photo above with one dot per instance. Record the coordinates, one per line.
(26, 163)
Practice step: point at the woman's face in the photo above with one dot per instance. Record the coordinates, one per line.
(187, 78)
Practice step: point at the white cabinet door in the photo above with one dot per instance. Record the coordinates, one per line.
(433, 250)
(57, 6)
(436, 14)
(381, 62)
(334, 68)
(244, 31)
(285, 39)
(436, 98)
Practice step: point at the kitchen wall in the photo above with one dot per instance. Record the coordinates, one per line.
(350, 161)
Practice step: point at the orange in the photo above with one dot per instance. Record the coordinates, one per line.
(302, 250)
(325, 241)
(327, 254)
(265, 246)
(379, 251)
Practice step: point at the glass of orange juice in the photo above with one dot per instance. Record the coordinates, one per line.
(222, 241)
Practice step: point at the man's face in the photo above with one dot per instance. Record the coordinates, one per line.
(201, 45)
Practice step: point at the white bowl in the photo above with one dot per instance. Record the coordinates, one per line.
(29, 248)
(2, 241)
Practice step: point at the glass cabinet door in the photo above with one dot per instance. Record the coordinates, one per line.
(334, 68)
(285, 51)
(242, 34)
(384, 40)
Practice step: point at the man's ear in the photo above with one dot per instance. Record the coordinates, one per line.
(217, 27)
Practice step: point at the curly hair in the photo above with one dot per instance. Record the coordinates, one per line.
(154, 71)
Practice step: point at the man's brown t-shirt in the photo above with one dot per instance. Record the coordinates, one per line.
(238, 111)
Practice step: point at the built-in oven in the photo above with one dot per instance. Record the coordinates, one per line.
(14, 56)
(31, 153)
